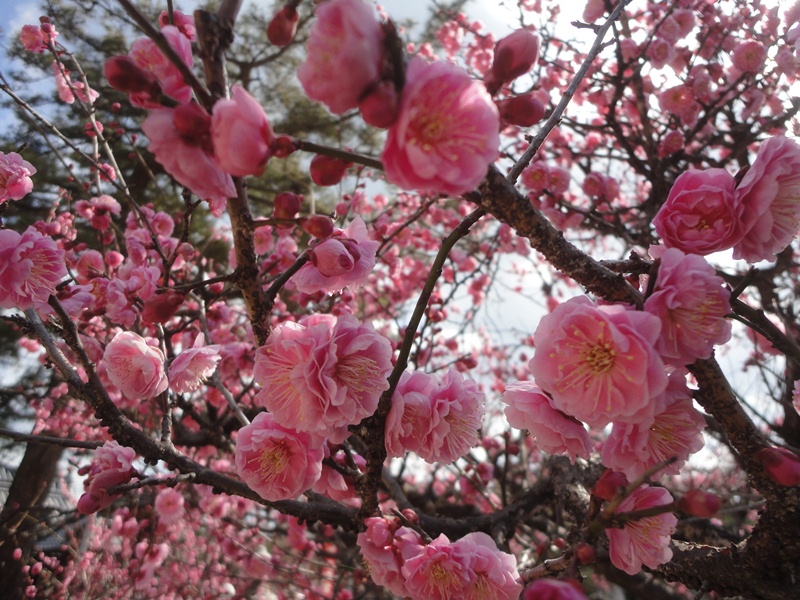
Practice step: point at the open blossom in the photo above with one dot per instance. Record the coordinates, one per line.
(446, 134)
(438, 571)
(644, 541)
(770, 196)
(169, 506)
(181, 142)
(193, 366)
(276, 462)
(35, 38)
(344, 53)
(496, 576)
(146, 54)
(676, 432)
(135, 367)
(702, 213)
(68, 89)
(410, 419)
(241, 134)
(691, 302)
(556, 433)
(323, 373)
(31, 265)
(345, 259)
(112, 465)
(599, 363)
(749, 56)
(383, 545)
(15, 177)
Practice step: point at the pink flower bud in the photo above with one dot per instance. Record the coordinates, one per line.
(286, 205)
(283, 26)
(328, 170)
(781, 465)
(241, 133)
(380, 105)
(125, 75)
(699, 503)
(523, 111)
(514, 55)
(283, 146)
(332, 258)
(320, 226)
(609, 484)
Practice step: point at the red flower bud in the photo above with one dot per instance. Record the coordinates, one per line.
(609, 484)
(125, 75)
(514, 55)
(282, 146)
(699, 503)
(523, 111)
(781, 465)
(328, 170)
(380, 105)
(320, 226)
(161, 307)
(283, 26)
(286, 205)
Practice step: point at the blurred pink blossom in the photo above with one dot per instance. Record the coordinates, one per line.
(135, 367)
(446, 135)
(169, 506)
(554, 589)
(146, 54)
(15, 177)
(112, 465)
(31, 265)
(193, 366)
(241, 134)
(184, 23)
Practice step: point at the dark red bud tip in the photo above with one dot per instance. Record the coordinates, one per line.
(125, 75)
(320, 226)
(328, 170)
(191, 120)
(283, 26)
(286, 205)
(522, 111)
(282, 146)
(380, 105)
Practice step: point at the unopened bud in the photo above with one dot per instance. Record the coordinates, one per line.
(320, 226)
(380, 105)
(699, 503)
(609, 484)
(514, 55)
(781, 465)
(282, 146)
(328, 170)
(283, 26)
(522, 111)
(286, 205)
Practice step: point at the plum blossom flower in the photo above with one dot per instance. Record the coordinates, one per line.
(112, 465)
(599, 363)
(184, 23)
(676, 432)
(383, 545)
(749, 56)
(410, 419)
(323, 373)
(345, 259)
(446, 134)
(344, 53)
(68, 89)
(135, 367)
(277, 462)
(770, 196)
(556, 433)
(193, 366)
(691, 302)
(496, 576)
(35, 38)
(169, 506)
(241, 134)
(31, 265)
(181, 142)
(146, 54)
(438, 571)
(644, 541)
(702, 213)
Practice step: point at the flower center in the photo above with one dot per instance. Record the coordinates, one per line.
(600, 357)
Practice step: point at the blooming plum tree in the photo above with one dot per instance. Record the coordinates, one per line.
(312, 393)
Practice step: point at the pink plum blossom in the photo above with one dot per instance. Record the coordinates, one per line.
(383, 544)
(643, 541)
(598, 362)
(15, 177)
(169, 506)
(241, 134)
(135, 367)
(446, 135)
(691, 302)
(323, 373)
(181, 142)
(112, 465)
(702, 213)
(345, 259)
(495, 572)
(770, 195)
(146, 54)
(344, 53)
(438, 571)
(749, 56)
(193, 366)
(675, 433)
(277, 462)
(184, 23)
(35, 39)
(556, 433)
(68, 89)
(410, 419)
(31, 265)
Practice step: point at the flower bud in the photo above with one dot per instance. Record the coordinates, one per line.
(699, 503)
(514, 55)
(160, 308)
(283, 26)
(609, 484)
(320, 226)
(522, 111)
(328, 170)
(380, 105)
(781, 465)
(282, 146)
(286, 205)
